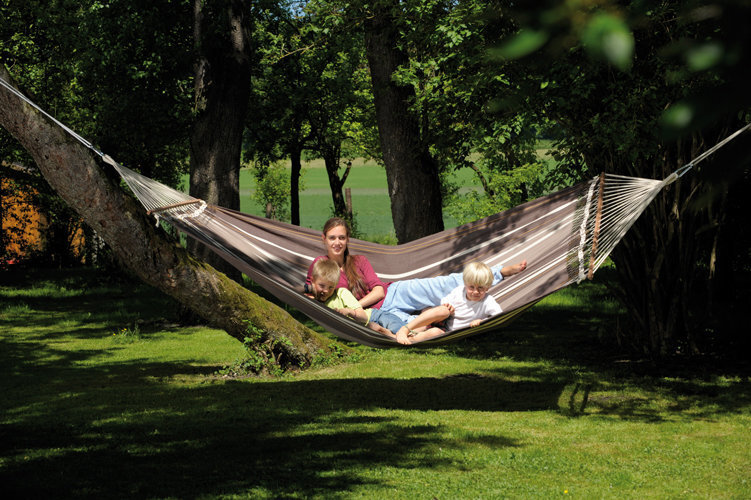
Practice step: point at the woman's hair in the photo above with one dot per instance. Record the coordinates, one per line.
(478, 274)
(356, 284)
(326, 270)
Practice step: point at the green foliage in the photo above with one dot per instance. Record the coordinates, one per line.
(118, 73)
(622, 86)
(259, 357)
(310, 91)
(273, 189)
(335, 355)
(608, 37)
(509, 189)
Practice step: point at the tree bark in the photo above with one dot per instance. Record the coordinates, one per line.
(145, 250)
(222, 88)
(294, 185)
(411, 172)
(331, 157)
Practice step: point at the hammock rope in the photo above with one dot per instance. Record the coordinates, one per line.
(565, 236)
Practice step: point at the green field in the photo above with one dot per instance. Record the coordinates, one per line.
(106, 395)
(370, 199)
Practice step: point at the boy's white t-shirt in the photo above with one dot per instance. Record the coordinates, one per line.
(466, 311)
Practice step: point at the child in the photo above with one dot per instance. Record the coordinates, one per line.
(325, 276)
(467, 305)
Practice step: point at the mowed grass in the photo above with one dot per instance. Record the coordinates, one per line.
(106, 396)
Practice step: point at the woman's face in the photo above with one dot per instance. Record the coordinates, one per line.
(335, 241)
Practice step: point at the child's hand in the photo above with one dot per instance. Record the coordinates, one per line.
(475, 323)
(350, 313)
(450, 308)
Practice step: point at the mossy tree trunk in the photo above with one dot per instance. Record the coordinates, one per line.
(147, 251)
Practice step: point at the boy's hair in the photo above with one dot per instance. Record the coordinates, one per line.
(326, 269)
(478, 274)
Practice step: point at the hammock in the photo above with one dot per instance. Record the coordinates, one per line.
(564, 236)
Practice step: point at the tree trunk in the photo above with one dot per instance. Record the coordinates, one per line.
(222, 88)
(294, 185)
(336, 183)
(145, 250)
(411, 172)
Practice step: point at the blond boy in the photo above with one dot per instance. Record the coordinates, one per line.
(325, 276)
(466, 305)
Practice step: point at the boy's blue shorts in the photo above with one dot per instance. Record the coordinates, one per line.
(387, 320)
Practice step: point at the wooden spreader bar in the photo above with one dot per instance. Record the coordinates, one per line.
(174, 205)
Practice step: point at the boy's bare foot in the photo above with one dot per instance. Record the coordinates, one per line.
(402, 336)
(515, 269)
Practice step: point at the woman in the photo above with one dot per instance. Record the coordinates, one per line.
(356, 273)
(405, 298)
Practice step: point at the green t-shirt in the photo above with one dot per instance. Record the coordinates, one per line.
(344, 298)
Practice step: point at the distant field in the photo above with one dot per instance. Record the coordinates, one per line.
(370, 199)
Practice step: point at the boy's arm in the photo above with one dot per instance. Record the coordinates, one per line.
(491, 309)
(359, 314)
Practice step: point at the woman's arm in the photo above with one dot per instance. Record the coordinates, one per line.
(376, 288)
(375, 296)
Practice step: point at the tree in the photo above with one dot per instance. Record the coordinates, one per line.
(411, 171)
(117, 72)
(459, 95)
(607, 95)
(310, 93)
(276, 125)
(147, 251)
(222, 89)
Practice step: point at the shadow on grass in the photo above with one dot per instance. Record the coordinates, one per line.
(119, 431)
(129, 430)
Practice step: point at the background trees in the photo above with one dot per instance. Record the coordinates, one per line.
(609, 112)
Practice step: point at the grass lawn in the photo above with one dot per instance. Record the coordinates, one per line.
(105, 396)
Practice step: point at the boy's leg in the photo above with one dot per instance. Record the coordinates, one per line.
(427, 317)
(378, 328)
(386, 319)
(428, 334)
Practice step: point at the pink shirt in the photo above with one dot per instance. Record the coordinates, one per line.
(369, 277)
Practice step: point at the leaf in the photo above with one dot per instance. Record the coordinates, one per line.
(608, 37)
(678, 116)
(704, 56)
(521, 44)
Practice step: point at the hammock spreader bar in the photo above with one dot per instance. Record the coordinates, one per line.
(557, 235)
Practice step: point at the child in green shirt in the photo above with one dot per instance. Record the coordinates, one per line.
(325, 276)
